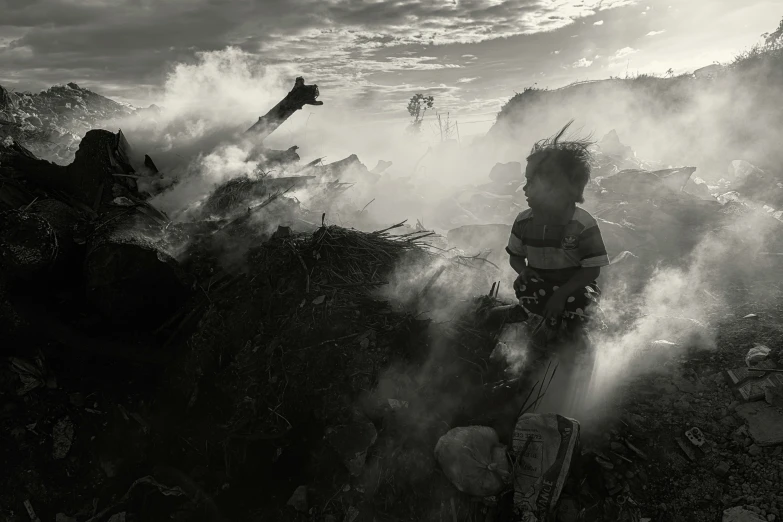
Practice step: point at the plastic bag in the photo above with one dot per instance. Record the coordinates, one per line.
(473, 459)
(544, 446)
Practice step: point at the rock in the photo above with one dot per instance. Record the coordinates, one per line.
(722, 468)
(729, 421)
(754, 450)
(351, 442)
(686, 386)
(567, 510)
(757, 354)
(774, 396)
(740, 514)
(62, 438)
(665, 386)
(765, 423)
(682, 405)
(618, 448)
(299, 499)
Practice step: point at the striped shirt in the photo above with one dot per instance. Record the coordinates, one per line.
(557, 252)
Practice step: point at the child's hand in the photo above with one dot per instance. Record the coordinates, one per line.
(555, 305)
(524, 278)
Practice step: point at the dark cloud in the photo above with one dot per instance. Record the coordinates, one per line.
(135, 42)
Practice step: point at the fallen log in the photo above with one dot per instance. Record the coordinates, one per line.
(296, 98)
(130, 271)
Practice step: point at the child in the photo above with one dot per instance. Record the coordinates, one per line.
(555, 246)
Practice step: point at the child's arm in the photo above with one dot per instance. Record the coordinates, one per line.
(518, 263)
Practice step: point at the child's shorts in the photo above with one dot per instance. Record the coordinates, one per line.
(579, 307)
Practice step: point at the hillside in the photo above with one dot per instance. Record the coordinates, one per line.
(51, 122)
(708, 119)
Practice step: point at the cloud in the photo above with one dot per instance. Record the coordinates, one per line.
(467, 80)
(469, 56)
(653, 33)
(582, 62)
(135, 40)
(625, 51)
(599, 22)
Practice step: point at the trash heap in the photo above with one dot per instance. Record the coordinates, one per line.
(648, 213)
(252, 361)
(138, 346)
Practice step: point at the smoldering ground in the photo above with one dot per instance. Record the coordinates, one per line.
(650, 317)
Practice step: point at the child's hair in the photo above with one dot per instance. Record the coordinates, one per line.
(572, 156)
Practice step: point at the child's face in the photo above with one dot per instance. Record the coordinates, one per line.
(540, 188)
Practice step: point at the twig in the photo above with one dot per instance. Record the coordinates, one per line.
(432, 280)
(398, 225)
(326, 342)
(286, 420)
(304, 266)
(367, 205)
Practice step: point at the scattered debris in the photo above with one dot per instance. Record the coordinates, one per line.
(543, 450)
(32, 374)
(757, 354)
(696, 437)
(299, 499)
(765, 423)
(62, 438)
(473, 459)
(30, 512)
(740, 514)
(352, 442)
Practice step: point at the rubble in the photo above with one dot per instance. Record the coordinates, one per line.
(765, 423)
(258, 326)
(351, 442)
(740, 514)
(299, 499)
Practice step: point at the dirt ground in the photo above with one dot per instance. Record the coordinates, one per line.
(79, 447)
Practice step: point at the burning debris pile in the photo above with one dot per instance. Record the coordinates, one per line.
(249, 360)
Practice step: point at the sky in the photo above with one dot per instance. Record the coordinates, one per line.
(373, 55)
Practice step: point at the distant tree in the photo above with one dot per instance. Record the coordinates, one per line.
(670, 72)
(417, 106)
(775, 37)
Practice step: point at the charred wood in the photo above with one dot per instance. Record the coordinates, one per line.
(297, 98)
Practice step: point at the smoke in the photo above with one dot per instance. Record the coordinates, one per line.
(704, 122)
(196, 135)
(677, 309)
